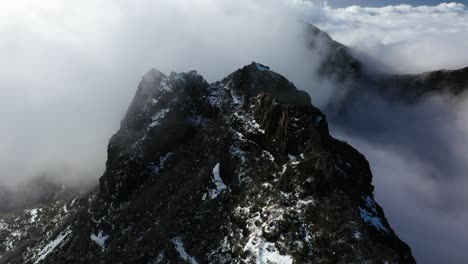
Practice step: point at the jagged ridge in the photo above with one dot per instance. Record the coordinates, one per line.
(237, 171)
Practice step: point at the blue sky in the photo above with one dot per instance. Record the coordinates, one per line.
(376, 3)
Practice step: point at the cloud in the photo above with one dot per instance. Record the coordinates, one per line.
(417, 152)
(69, 69)
(402, 38)
(416, 205)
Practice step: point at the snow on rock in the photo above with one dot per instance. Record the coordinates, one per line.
(52, 245)
(266, 222)
(251, 125)
(220, 186)
(261, 67)
(12, 239)
(165, 86)
(268, 155)
(3, 225)
(159, 259)
(158, 116)
(162, 161)
(370, 217)
(357, 235)
(73, 201)
(100, 239)
(372, 220)
(237, 99)
(262, 251)
(33, 213)
(256, 126)
(370, 204)
(179, 246)
(216, 95)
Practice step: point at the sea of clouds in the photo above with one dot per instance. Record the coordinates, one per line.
(417, 152)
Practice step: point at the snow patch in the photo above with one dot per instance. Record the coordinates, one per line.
(159, 259)
(372, 220)
(255, 125)
(268, 155)
(265, 252)
(154, 101)
(12, 238)
(73, 201)
(216, 97)
(179, 246)
(52, 245)
(252, 125)
(164, 86)
(370, 204)
(237, 99)
(357, 235)
(158, 116)
(3, 225)
(100, 239)
(236, 151)
(370, 217)
(220, 186)
(33, 213)
(261, 67)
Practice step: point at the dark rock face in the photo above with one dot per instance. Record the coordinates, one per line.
(339, 65)
(238, 171)
(412, 88)
(337, 62)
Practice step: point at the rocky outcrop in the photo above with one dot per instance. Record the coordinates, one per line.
(412, 88)
(348, 73)
(337, 63)
(238, 171)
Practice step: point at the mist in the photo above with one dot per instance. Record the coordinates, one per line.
(70, 69)
(417, 152)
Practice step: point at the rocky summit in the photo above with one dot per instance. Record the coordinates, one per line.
(243, 170)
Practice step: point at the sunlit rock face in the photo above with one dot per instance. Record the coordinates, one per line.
(238, 171)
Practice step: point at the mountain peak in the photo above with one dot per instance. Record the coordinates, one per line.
(257, 78)
(238, 171)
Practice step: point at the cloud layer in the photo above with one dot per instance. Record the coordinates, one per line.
(417, 152)
(419, 161)
(402, 38)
